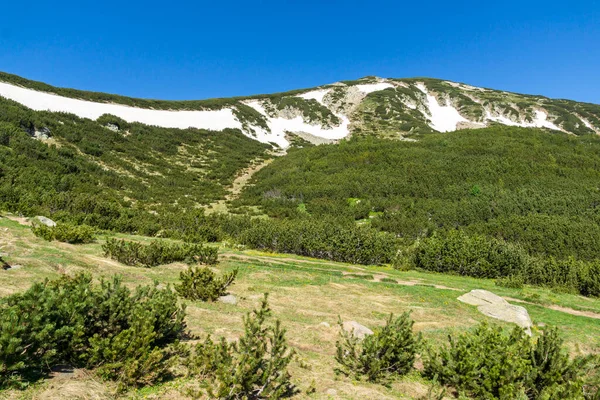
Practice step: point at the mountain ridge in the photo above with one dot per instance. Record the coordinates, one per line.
(388, 107)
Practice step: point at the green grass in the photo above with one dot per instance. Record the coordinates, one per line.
(304, 293)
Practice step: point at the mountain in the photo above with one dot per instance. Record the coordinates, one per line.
(367, 106)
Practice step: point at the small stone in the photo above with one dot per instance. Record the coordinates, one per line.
(325, 324)
(357, 330)
(228, 299)
(45, 221)
(331, 392)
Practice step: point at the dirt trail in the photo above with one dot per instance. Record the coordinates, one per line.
(239, 183)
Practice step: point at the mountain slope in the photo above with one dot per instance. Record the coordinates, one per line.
(384, 107)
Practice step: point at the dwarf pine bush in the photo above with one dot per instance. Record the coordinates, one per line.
(74, 234)
(488, 363)
(389, 351)
(254, 367)
(73, 321)
(158, 252)
(201, 283)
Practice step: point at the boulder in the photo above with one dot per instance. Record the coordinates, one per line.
(45, 221)
(41, 134)
(113, 127)
(495, 306)
(228, 299)
(357, 330)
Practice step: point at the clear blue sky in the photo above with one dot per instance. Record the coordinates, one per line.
(199, 49)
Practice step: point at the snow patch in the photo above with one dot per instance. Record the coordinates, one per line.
(443, 118)
(315, 95)
(210, 119)
(278, 127)
(588, 124)
(373, 87)
(540, 121)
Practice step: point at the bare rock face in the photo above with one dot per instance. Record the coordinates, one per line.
(357, 330)
(45, 221)
(495, 306)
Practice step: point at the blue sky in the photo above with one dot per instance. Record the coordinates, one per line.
(193, 50)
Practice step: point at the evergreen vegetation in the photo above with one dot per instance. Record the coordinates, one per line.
(64, 232)
(487, 363)
(201, 283)
(158, 252)
(71, 320)
(254, 367)
(390, 351)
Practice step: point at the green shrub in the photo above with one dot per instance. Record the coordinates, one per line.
(71, 320)
(475, 256)
(201, 283)
(158, 252)
(254, 367)
(589, 282)
(488, 363)
(74, 234)
(512, 282)
(389, 351)
(326, 239)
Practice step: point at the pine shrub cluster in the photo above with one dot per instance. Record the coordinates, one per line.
(201, 283)
(487, 363)
(68, 233)
(456, 252)
(158, 252)
(321, 238)
(254, 367)
(389, 352)
(123, 334)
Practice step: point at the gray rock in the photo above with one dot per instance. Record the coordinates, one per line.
(45, 221)
(41, 134)
(112, 127)
(495, 306)
(331, 392)
(228, 299)
(325, 324)
(357, 330)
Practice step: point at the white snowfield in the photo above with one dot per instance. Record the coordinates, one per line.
(278, 126)
(373, 87)
(443, 118)
(315, 95)
(41, 101)
(540, 121)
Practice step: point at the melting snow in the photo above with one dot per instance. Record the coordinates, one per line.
(315, 95)
(373, 87)
(40, 101)
(279, 126)
(443, 118)
(540, 121)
